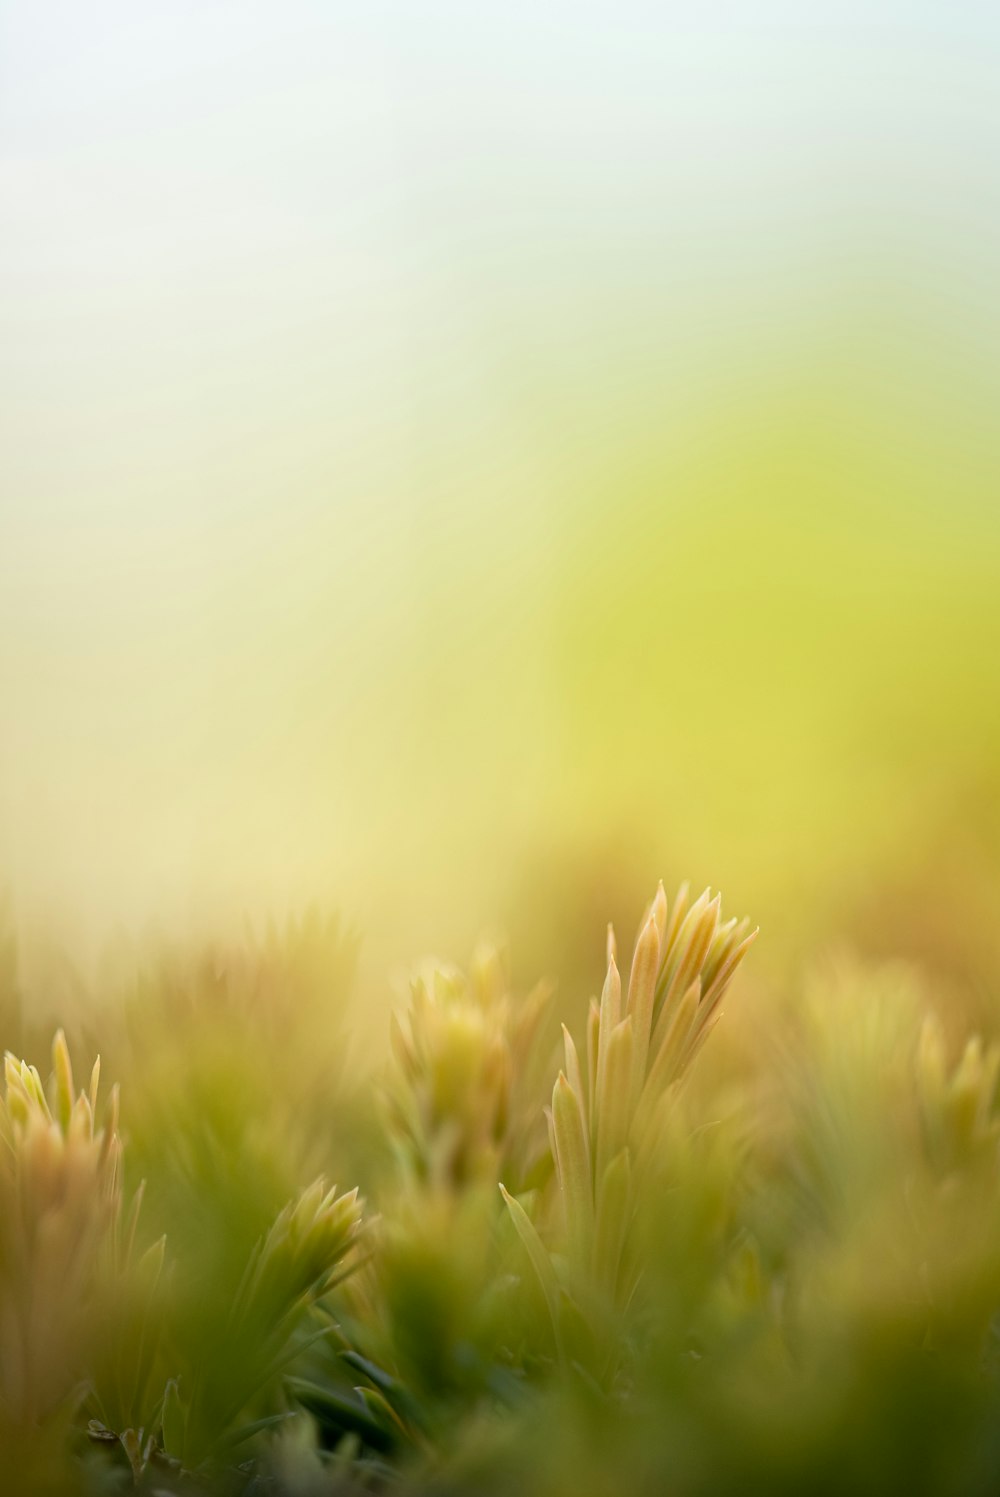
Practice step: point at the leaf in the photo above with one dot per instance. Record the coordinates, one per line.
(173, 1419)
(573, 1152)
(536, 1251)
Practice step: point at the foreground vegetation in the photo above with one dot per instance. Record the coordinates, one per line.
(593, 1258)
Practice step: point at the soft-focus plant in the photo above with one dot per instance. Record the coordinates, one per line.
(465, 1065)
(780, 1274)
(608, 1117)
(878, 1214)
(225, 1387)
(958, 1107)
(429, 1316)
(60, 1214)
(239, 1091)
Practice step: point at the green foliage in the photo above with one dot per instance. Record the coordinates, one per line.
(695, 1271)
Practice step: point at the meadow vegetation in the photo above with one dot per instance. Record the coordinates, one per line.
(569, 1249)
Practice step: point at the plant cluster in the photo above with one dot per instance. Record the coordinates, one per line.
(625, 1272)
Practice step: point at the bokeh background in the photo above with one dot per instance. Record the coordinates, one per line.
(459, 463)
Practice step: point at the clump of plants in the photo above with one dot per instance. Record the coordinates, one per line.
(563, 1262)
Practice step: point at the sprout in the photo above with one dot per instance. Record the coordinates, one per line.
(958, 1108)
(60, 1203)
(461, 1068)
(604, 1129)
(209, 1410)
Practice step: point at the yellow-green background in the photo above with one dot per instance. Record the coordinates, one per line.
(459, 463)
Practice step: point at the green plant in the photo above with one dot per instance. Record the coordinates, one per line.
(607, 1121)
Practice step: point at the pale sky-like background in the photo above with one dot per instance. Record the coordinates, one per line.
(432, 436)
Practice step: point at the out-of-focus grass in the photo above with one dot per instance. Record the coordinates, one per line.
(758, 1272)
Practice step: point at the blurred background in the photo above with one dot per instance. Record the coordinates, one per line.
(460, 463)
